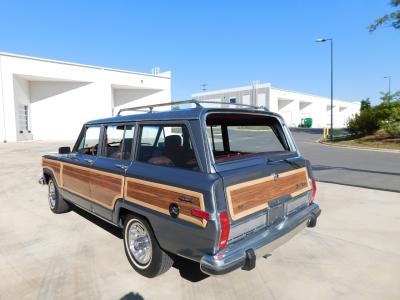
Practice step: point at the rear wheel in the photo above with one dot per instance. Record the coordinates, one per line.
(56, 202)
(142, 249)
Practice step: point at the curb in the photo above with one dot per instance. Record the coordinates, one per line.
(358, 148)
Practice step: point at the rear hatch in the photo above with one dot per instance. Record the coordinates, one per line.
(265, 178)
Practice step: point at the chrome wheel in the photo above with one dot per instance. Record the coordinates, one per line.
(139, 243)
(52, 194)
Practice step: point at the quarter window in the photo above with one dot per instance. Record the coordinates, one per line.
(167, 146)
(90, 141)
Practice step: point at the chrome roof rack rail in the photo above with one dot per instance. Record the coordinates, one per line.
(192, 101)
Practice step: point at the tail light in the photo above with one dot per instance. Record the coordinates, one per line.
(225, 227)
(314, 190)
(200, 214)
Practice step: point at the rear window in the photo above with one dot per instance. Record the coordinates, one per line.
(235, 136)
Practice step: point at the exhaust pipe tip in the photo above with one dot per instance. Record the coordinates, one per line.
(42, 181)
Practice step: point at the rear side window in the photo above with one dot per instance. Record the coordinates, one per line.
(90, 141)
(167, 145)
(235, 136)
(118, 141)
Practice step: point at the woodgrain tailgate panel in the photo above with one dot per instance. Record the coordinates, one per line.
(251, 196)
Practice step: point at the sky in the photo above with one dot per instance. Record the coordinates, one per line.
(221, 43)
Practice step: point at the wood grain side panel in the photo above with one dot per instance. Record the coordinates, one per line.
(106, 188)
(159, 197)
(77, 180)
(98, 186)
(249, 197)
(55, 167)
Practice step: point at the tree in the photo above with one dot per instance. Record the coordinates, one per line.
(390, 97)
(365, 104)
(393, 18)
(385, 116)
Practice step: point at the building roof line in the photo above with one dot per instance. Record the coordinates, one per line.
(263, 85)
(237, 89)
(313, 95)
(80, 65)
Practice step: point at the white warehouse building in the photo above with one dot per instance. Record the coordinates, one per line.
(44, 99)
(292, 106)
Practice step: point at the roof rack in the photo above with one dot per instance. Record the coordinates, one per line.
(192, 101)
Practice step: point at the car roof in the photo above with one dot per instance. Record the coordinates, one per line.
(178, 114)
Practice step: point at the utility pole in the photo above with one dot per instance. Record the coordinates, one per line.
(390, 83)
(331, 40)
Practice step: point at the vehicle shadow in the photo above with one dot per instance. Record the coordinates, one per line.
(132, 296)
(117, 232)
(188, 269)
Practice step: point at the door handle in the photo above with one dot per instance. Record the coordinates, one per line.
(123, 167)
(89, 161)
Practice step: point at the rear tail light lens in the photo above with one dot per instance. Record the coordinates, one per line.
(314, 190)
(225, 228)
(200, 214)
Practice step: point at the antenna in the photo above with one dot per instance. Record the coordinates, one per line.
(155, 71)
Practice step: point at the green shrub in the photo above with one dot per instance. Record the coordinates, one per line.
(392, 128)
(384, 116)
(388, 113)
(366, 122)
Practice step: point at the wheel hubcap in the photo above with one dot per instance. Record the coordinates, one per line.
(52, 194)
(139, 243)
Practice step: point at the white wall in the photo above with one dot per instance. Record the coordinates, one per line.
(63, 96)
(290, 104)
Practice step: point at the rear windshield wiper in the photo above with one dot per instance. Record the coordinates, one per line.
(285, 158)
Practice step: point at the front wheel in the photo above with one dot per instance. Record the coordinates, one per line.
(142, 249)
(56, 202)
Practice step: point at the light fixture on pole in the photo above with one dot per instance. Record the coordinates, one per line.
(321, 40)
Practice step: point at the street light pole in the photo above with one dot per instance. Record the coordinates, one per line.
(331, 40)
(390, 79)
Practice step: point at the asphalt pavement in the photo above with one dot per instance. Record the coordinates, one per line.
(357, 167)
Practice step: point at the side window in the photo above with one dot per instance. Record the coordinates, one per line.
(118, 141)
(113, 138)
(90, 141)
(215, 138)
(167, 146)
(149, 135)
(128, 142)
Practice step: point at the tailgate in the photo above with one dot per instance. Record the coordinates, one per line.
(261, 195)
(251, 196)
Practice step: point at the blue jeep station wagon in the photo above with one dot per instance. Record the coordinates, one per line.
(221, 185)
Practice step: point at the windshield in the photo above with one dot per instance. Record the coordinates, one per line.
(236, 135)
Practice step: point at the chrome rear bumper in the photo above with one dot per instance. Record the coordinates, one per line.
(243, 253)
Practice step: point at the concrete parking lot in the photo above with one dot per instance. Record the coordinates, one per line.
(353, 253)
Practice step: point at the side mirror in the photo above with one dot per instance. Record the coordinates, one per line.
(64, 150)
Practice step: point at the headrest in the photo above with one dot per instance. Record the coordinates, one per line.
(173, 141)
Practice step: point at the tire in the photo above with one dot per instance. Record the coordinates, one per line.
(142, 249)
(56, 203)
